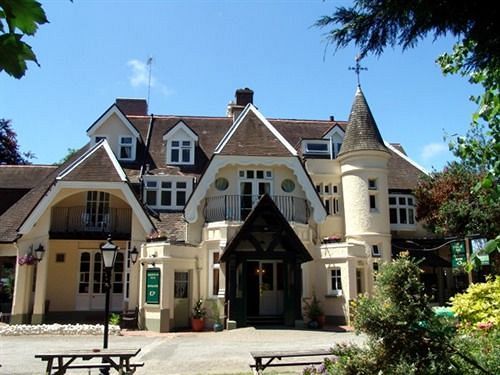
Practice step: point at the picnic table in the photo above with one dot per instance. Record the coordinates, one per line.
(118, 359)
(264, 359)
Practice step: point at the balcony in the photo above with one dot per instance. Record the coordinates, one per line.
(77, 222)
(237, 207)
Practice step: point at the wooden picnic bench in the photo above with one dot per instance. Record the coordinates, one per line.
(117, 359)
(264, 359)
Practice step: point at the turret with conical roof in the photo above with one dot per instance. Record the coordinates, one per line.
(362, 132)
(363, 160)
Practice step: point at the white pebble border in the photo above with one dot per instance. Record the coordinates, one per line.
(56, 329)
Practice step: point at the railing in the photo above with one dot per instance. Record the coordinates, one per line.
(78, 219)
(237, 207)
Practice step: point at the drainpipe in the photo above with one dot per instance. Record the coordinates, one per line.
(145, 166)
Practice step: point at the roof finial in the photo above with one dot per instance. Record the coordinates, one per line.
(358, 68)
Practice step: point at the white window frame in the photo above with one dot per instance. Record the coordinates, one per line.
(173, 180)
(330, 276)
(211, 267)
(373, 192)
(180, 133)
(410, 212)
(330, 195)
(376, 250)
(306, 143)
(180, 146)
(132, 146)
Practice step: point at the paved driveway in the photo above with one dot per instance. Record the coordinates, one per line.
(224, 352)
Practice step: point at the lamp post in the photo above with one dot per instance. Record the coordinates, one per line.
(108, 252)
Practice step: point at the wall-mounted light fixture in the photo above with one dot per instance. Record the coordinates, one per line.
(134, 254)
(39, 252)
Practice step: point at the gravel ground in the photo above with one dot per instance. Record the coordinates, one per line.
(189, 353)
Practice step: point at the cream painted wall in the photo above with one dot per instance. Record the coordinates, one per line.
(112, 129)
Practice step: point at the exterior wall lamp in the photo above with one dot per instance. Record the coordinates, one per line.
(134, 254)
(39, 252)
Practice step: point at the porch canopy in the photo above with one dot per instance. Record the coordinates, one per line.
(265, 238)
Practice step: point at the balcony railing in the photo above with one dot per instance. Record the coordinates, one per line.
(237, 207)
(78, 220)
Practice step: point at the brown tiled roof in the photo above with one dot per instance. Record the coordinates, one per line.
(253, 138)
(23, 176)
(402, 174)
(172, 226)
(362, 132)
(97, 167)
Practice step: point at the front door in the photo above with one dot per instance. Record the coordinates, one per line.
(181, 299)
(91, 294)
(265, 287)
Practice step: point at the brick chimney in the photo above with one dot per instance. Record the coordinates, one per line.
(243, 97)
(137, 107)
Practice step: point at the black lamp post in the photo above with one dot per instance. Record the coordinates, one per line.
(39, 251)
(134, 254)
(108, 252)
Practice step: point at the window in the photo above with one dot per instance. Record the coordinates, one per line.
(167, 194)
(372, 184)
(127, 148)
(329, 193)
(287, 185)
(373, 202)
(214, 266)
(359, 281)
(97, 210)
(221, 183)
(402, 211)
(317, 147)
(335, 282)
(376, 250)
(180, 152)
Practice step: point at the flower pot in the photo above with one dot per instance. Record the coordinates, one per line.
(197, 324)
(321, 321)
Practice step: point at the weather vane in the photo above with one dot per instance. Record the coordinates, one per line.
(358, 68)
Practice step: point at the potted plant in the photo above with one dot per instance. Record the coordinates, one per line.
(198, 317)
(314, 312)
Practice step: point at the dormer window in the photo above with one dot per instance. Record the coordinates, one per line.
(181, 152)
(126, 148)
(316, 147)
(180, 144)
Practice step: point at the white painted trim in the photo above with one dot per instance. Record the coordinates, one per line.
(113, 110)
(104, 143)
(220, 161)
(189, 180)
(49, 197)
(400, 154)
(251, 108)
(181, 125)
(133, 146)
(335, 129)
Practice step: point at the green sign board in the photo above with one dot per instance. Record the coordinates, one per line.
(458, 256)
(153, 286)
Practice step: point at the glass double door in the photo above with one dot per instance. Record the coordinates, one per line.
(90, 289)
(250, 192)
(265, 282)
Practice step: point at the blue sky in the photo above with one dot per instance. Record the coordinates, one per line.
(92, 52)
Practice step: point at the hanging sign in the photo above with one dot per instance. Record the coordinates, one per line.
(153, 286)
(458, 256)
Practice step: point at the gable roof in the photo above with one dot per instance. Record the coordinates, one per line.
(253, 135)
(362, 132)
(113, 110)
(23, 176)
(180, 125)
(275, 221)
(97, 164)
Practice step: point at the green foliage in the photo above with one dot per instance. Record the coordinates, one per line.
(483, 346)
(114, 319)
(198, 310)
(404, 334)
(312, 308)
(9, 148)
(375, 25)
(17, 19)
(448, 204)
(479, 305)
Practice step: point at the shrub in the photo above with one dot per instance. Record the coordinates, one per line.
(479, 305)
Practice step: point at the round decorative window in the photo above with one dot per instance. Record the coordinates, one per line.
(288, 185)
(221, 183)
